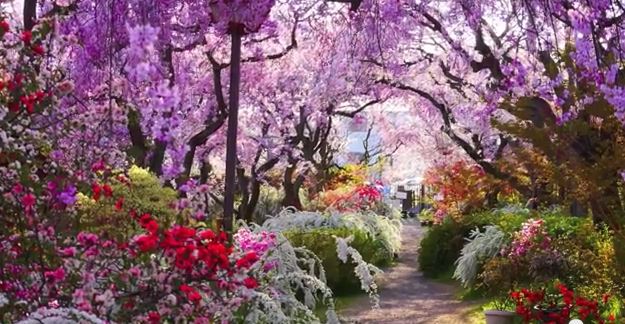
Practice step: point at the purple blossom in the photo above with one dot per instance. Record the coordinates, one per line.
(68, 196)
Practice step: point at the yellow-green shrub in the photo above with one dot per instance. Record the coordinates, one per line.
(143, 193)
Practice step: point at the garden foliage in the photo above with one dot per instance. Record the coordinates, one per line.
(514, 247)
(376, 238)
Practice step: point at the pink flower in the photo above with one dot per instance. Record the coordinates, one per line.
(98, 166)
(87, 239)
(55, 276)
(68, 252)
(28, 201)
(135, 272)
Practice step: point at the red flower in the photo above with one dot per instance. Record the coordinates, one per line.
(97, 191)
(207, 235)
(39, 95)
(38, 49)
(194, 297)
(129, 305)
(145, 218)
(250, 283)
(98, 166)
(154, 317)
(248, 260)
(192, 294)
(147, 242)
(14, 106)
(119, 204)
(27, 36)
(185, 288)
(524, 312)
(182, 233)
(108, 191)
(151, 226)
(29, 103)
(4, 26)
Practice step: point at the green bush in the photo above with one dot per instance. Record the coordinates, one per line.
(321, 241)
(426, 215)
(376, 238)
(583, 255)
(591, 261)
(441, 246)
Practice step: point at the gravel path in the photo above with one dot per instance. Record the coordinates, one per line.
(407, 296)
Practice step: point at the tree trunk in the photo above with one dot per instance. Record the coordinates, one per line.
(492, 198)
(139, 147)
(291, 189)
(205, 171)
(231, 140)
(252, 201)
(30, 14)
(158, 156)
(244, 189)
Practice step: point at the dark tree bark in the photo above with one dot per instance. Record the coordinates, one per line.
(139, 148)
(291, 188)
(30, 14)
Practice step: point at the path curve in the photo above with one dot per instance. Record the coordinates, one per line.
(406, 296)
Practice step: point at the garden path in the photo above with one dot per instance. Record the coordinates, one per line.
(406, 296)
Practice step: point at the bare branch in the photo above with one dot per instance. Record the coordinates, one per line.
(352, 114)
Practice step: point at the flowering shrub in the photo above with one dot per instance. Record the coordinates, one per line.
(384, 229)
(531, 238)
(350, 175)
(375, 238)
(115, 193)
(361, 197)
(480, 246)
(349, 190)
(461, 188)
(176, 273)
(561, 305)
(126, 281)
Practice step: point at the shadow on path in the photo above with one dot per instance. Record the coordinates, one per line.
(406, 296)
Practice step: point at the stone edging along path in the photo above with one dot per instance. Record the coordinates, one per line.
(406, 296)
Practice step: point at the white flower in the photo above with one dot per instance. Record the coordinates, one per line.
(61, 316)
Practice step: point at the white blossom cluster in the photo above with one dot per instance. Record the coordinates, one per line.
(298, 272)
(364, 271)
(61, 316)
(387, 230)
